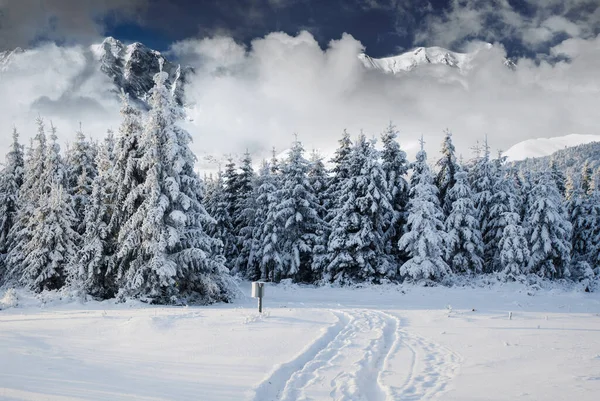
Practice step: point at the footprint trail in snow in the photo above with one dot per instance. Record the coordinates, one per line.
(366, 356)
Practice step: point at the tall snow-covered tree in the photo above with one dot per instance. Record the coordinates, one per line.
(318, 179)
(95, 264)
(166, 253)
(356, 246)
(514, 249)
(558, 176)
(11, 179)
(297, 214)
(424, 238)
(268, 232)
(244, 216)
(464, 245)
(482, 176)
(217, 208)
(51, 251)
(127, 174)
(81, 171)
(231, 191)
(504, 200)
(395, 168)
(549, 230)
(447, 167)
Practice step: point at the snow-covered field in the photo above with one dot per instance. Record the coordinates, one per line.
(377, 343)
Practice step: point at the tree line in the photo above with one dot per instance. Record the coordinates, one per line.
(130, 217)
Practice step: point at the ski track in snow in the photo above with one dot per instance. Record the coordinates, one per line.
(355, 360)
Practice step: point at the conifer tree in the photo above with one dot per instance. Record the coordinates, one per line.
(482, 178)
(318, 180)
(356, 246)
(549, 231)
(95, 264)
(514, 249)
(231, 192)
(11, 179)
(127, 173)
(424, 238)
(395, 168)
(447, 167)
(30, 194)
(167, 253)
(269, 230)
(464, 245)
(81, 171)
(297, 214)
(244, 216)
(503, 200)
(51, 251)
(217, 208)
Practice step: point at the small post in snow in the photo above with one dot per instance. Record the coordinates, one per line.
(509, 315)
(258, 291)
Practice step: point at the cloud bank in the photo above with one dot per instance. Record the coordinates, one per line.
(257, 97)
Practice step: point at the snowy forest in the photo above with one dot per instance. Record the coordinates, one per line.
(130, 216)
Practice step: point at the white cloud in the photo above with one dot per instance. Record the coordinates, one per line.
(258, 97)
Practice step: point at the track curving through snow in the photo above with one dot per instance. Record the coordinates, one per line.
(363, 356)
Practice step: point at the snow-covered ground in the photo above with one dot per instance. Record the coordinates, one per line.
(377, 343)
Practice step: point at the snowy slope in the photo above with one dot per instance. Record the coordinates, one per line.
(540, 147)
(414, 58)
(380, 343)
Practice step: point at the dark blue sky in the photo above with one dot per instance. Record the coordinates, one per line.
(385, 27)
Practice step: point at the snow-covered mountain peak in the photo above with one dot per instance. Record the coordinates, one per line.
(416, 57)
(540, 147)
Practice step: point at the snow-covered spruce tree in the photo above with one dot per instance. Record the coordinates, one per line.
(217, 208)
(51, 251)
(11, 179)
(81, 171)
(483, 177)
(525, 185)
(268, 231)
(464, 245)
(297, 213)
(583, 220)
(167, 255)
(55, 170)
(356, 246)
(557, 176)
(340, 171)
(447, 167)
(395, 168)
(231, 191)
(586, 177)
(127, 173)
(594, 202)
(29, 195)
(95, 275)
(549, 230)
(504, 200)
(244, 216)
(424, 238)
(318, 180)
(514, 249)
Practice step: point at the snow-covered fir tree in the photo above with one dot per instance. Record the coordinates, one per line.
(447, 167)
(558, 176)
(95, 272)
(356, 245)
(464, 245)
(81, 171)
(269, 230)
(231, 191)
(127, 174)
(395, 168)
(217, 208)
(549, 230)
(166, 252)
(51, 251)
(32, 190)
(482, 177)
(244, 216)
(318, 179)
(297, 214)
(11, 179)
(424, 240)
(504, 200)
(513, 247)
